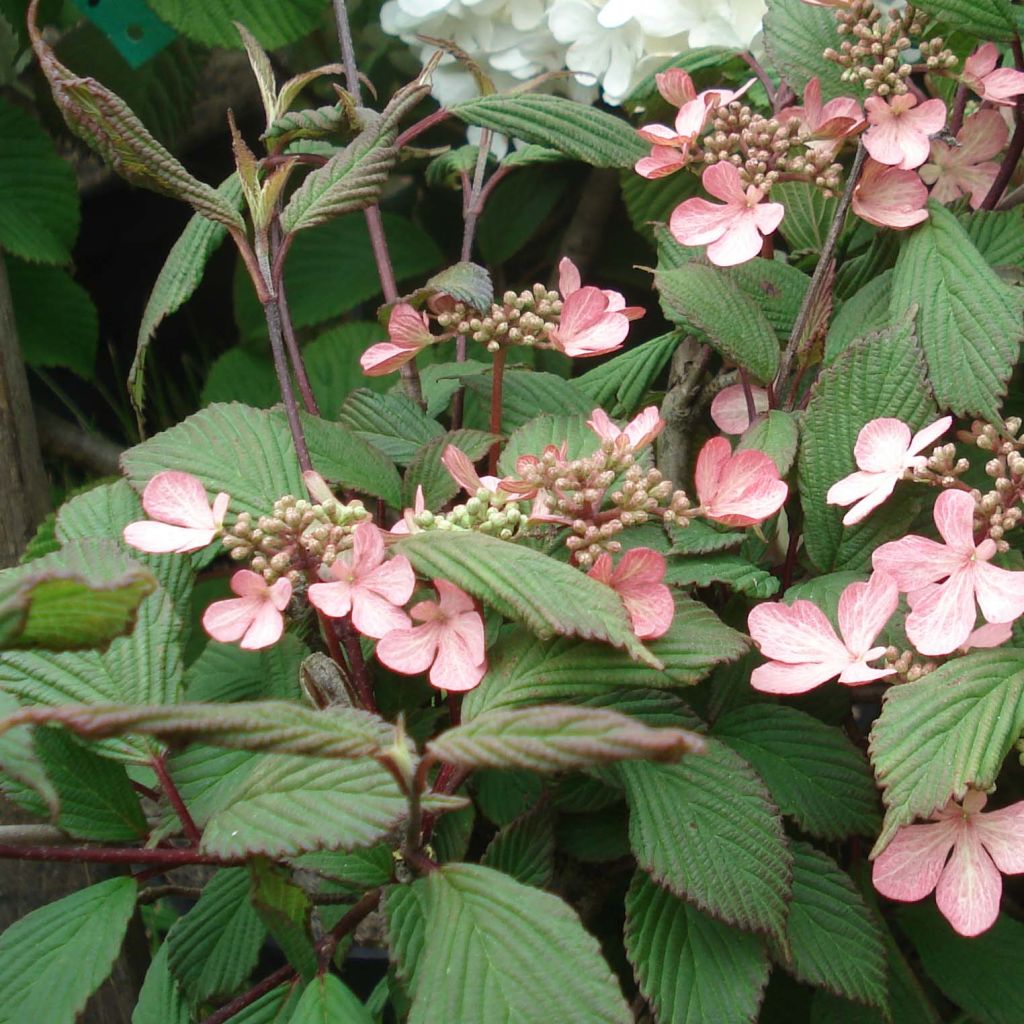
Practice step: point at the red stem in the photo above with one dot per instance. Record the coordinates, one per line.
(173, 857)
(192, 832)
(748, 395)
(956, 119)
(420, 127)
(288, 329)
(268, 984)
(1016, 147)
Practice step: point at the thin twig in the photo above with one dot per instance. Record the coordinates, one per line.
(417, 129)
(956, 119)
(272, 311)
(159, 892)
(1016, 147)
(288, 328)
(329, 943)
(172, 857)
(189, 826)
(280, 977)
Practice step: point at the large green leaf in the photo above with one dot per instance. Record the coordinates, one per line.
(244, 451)
(517, 210)
(160, 999)
(809, 214)
(52, 960)
(950, 730)
(489, 957)
(702, 298)
(880, 375)
(328, 1001)
(525, 848)
(332, 362)
(706, 829)
(547, 429)
(213, 948)
(691, 967)
(620, 384)
(865, 311)
(528, 393)
(207, 778)
(795, 37)
(19, 761)
(576, 129)
(969, 322)
(986, 19)
(815, 774)
(39, 214)
(224, 672)
(777, 434)
(727, 567)
(212, 22)
(286, 908)
(393, 423)
(777, 289)
(834, 941)
(548, 596)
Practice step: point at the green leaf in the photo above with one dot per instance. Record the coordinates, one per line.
(528, 393)
(880, 375)
(212, 22)
(536, 434)
(986, 19)
(865, 311)
(706, 829)
(392, 423)
(517, 209)
(235, 448)
(489, 957)
(160, 999)
(275, 1007)
(19, 761)
(580, 131)
(274, 727)
(949, 730)
(777, 289)
(998, 235)
(464, 282)
(619, 385)
(729, 568)
(691, 967)
(427, 470)
(650, 203)
(523, 670)
(39, 215)
(177, 281)
(56, 320)
(525, 849)
(84, 595)
(332, 362)
(809, 214)
(214, 947)
(968, 321)
(795, 37)
(981, 975)
(52, 960)
(288, 805)
(503, 796)
(286, 910)
(207, 778)
(548, 596)
(328, 1001)
(701, 538)
(226, 673)
(240, 375)
(814, 773)
(775, 433)
(700, 58)
(702, 298)
(555, 738)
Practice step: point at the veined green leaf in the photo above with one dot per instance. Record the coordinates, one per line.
(427, 470)
(286, 910)
(795, 37)
(775, 433)
(525, 848)
(809, 214)
(224, 673)
(212, 22)
(986, 19)
(620, 384)
(528, 393)
(19, 761)
(727, 567)
(160, 1000)
(327, 1000)
(392, 423)
(536, 434)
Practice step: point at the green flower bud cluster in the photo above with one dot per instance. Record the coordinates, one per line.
(295, 534)
(519, 319)
(485, 512)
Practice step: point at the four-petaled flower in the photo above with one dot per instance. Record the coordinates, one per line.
(593, 321)
(885, 451)
(968, 166)
(449, 641)
(900, 129)
(732, 232)
(408, 333)
(254, 617)
(889, 197)
(365, 584)
(942, 581)
(804, 648)
(635, 435)
(180, 516)
(739, 489)
(729, 410)
(997, 85)
(829, 124)
(637, 579)
(968, 886)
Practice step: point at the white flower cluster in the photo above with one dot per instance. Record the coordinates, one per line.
(606, 43)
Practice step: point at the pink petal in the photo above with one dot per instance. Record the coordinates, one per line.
(890, 197)
(265, 629)
(927, 436)
(638, 569)
(246, 583)
(280, 594)
(461, 469)
(1000, 592)
(983, 136)
(722, 180)
(970, 887)
(868, 490)
(954, 517)
(454, 600)
(410, 651)
(661, 162)
(859, 673)
(1002, 834)
(408, 328)
(909, 867)
(159, 538)
(915, 562)
(882, 445)
(333, 599)
(1003, 85)
(569, 275)
(780, 678)
(454, 668)
(740, 243)
(662, 138)
(749, 489)
(375, 616)
(227, 621)
(601, 570)
(796, 633)
(729, 408)
(650, 611)
(644, 428)
(600, 422)
(942, 615)
(178, 499)
(605, 335)
(982, 61)
(991, 634)
(675, 86)
(367, 549)
(864, 609)
(768, 216)
(698, 222)
(394, 580)
(711, 463)
(384, 357)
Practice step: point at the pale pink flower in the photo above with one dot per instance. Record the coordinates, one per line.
(635, 436)
(729, 410)
(180, 515)
(943, 581)
(450, 641)
(594, 321)
(408, 333)
(828, 124)
(637, 579)
(967, 167)
(407, 524)
(997, 85)
(888, 197)
(968, 886)
(900, 129)
(367, 585)
(733, 232)
(884, 451)
(254, 617)
(739, 489)
(804, 648)
(461, 469)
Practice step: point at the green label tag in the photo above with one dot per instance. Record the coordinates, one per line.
(136, 32)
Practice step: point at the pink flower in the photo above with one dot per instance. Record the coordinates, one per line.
(888, 197)
(731, 232)
(997, 85)
(943, 581)
(738, 489)
(884, 452)
(180, 516)
(407, 524)
(968, 886)
(729, 408)
(450, 642)
(899, 130)
(828, 125)
(463, 472)
(804, 648)
(254, 617)
(636, 435)
(967, 167)
(637, 579)
(366, 585)
(408, 331)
